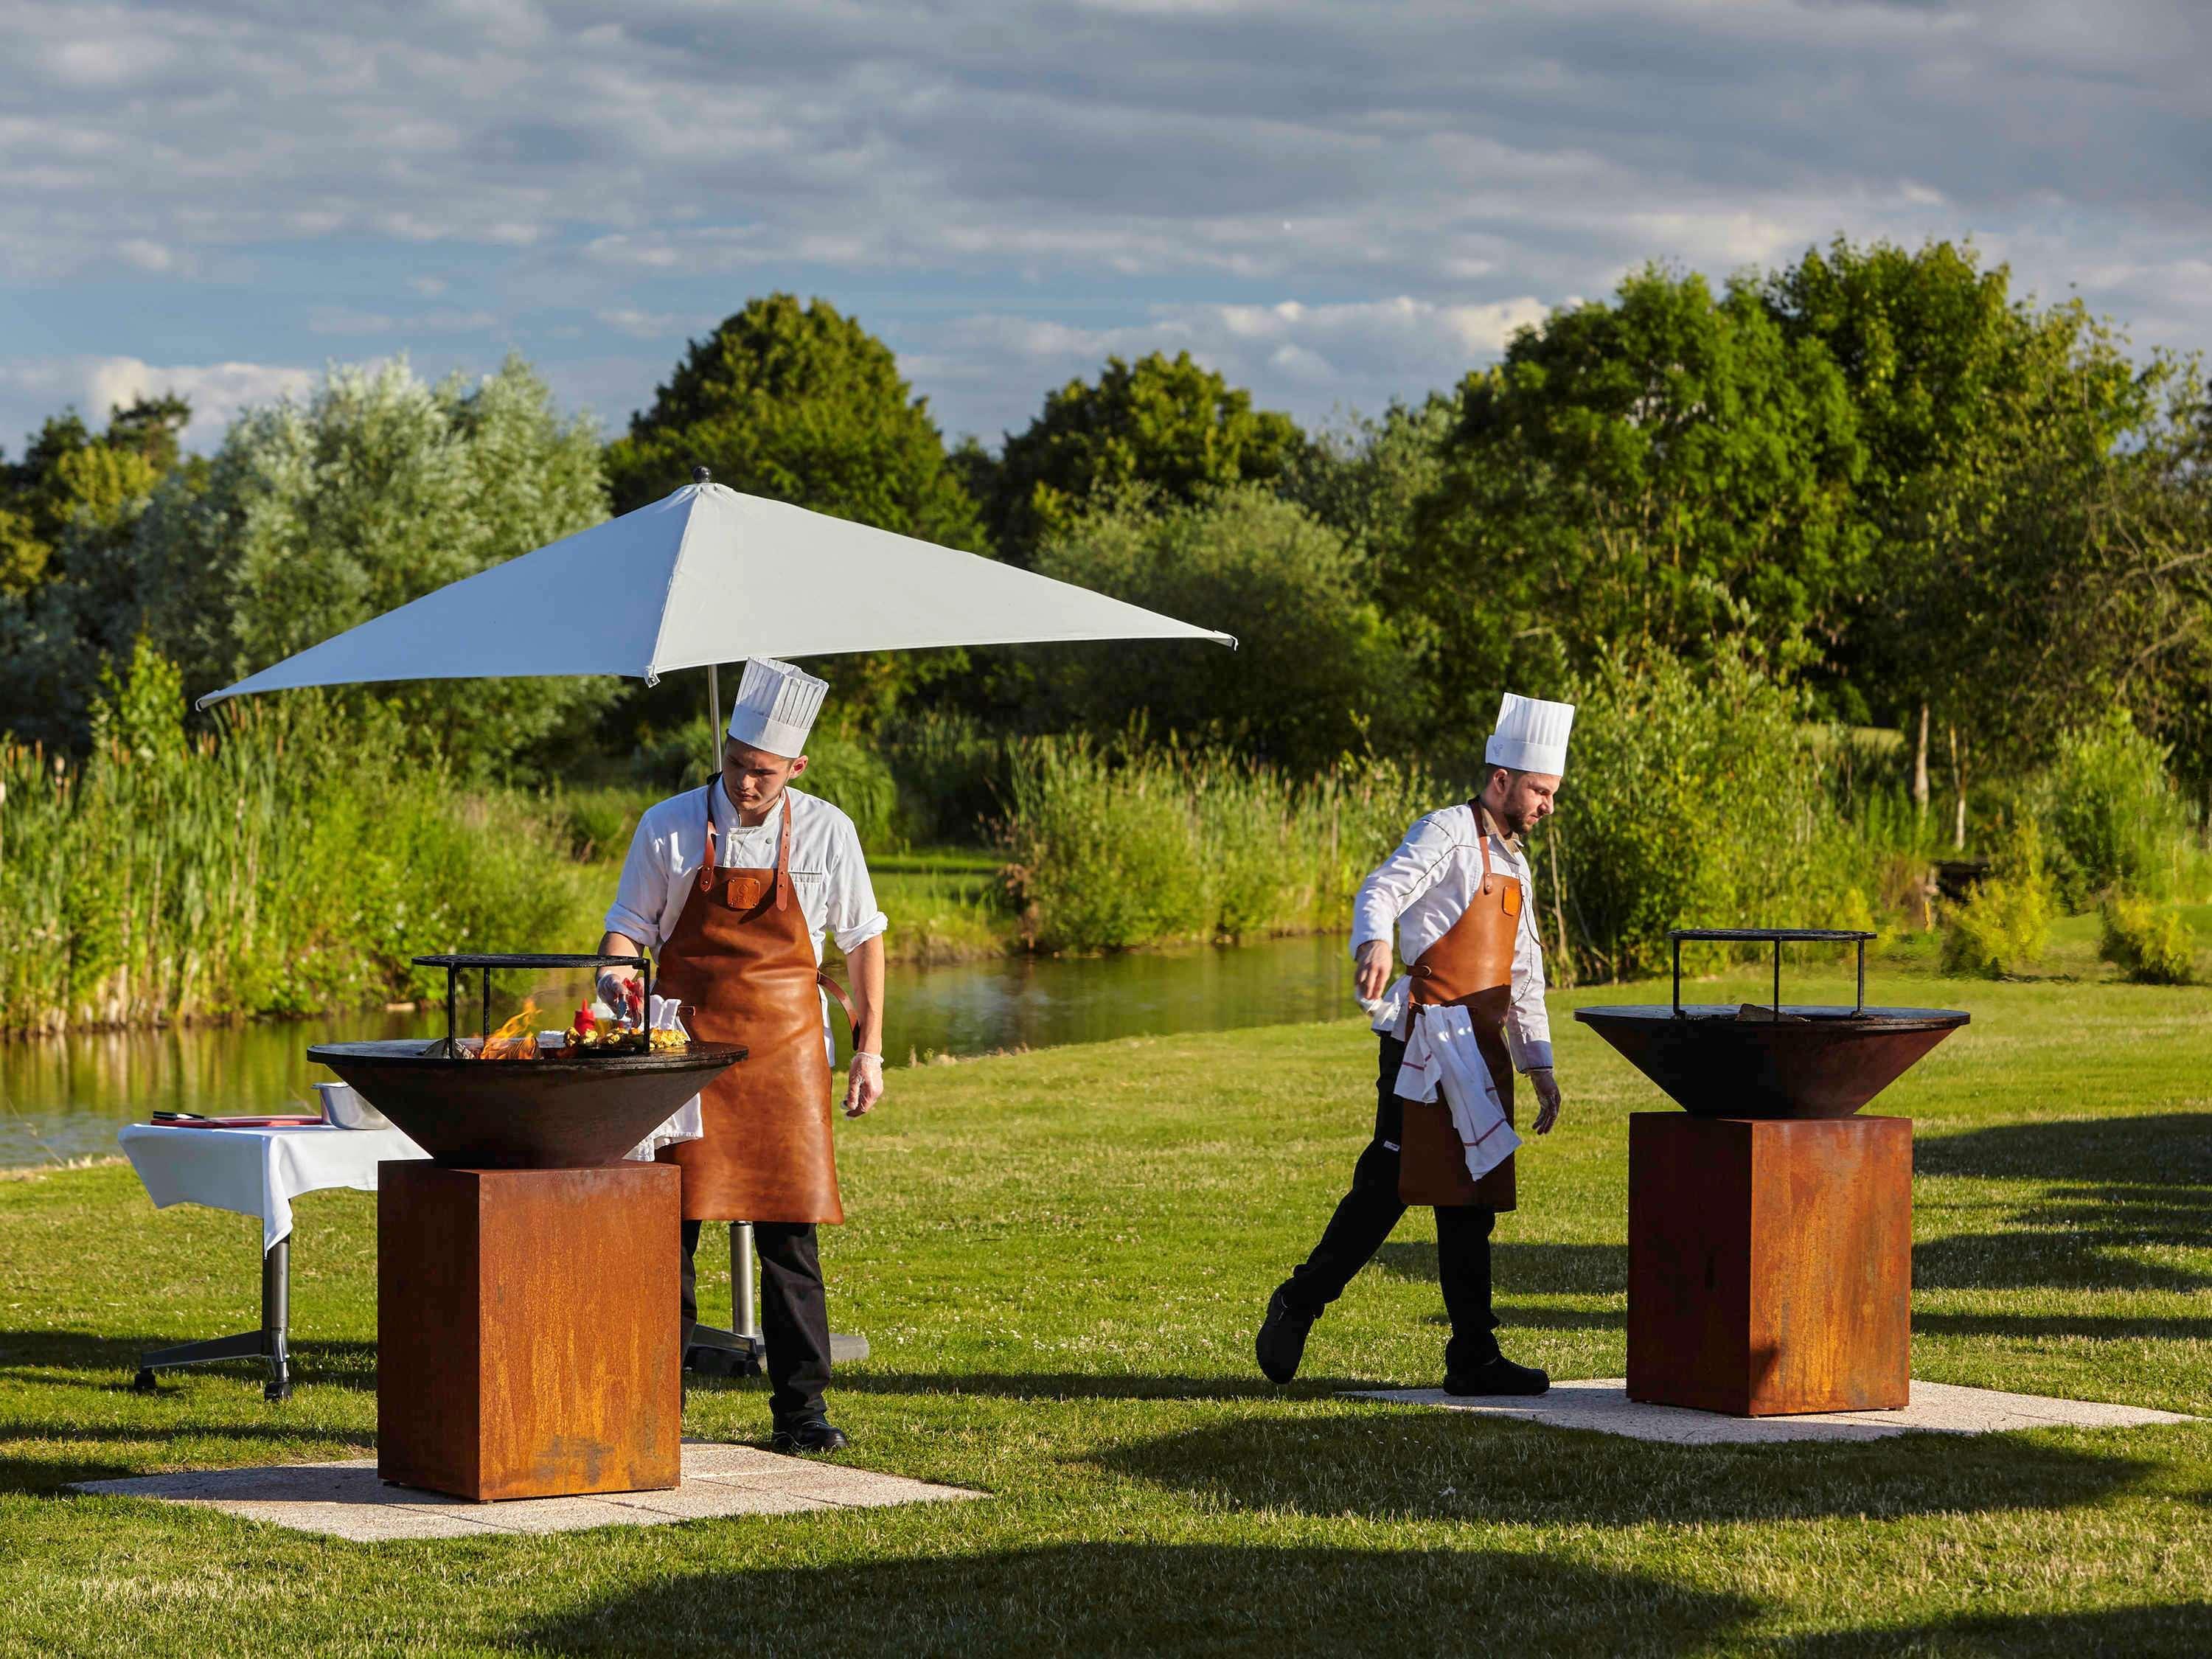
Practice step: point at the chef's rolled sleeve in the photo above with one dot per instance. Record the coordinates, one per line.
(641, 893)
(853, 916)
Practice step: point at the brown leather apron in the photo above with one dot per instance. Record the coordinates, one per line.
(1471, 966)
(742, 956)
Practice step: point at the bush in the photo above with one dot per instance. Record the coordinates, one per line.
(2149, 946)
(2004, 924)
(1694, 797)
(679, 758)
(953, 774)
(1318, 669)
(2116, 819)
(845, 772)
(599, 822)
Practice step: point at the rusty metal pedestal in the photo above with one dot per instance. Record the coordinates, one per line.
(527, 1328)
(1770, 1265)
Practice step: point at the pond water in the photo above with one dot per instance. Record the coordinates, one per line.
(64, 1097)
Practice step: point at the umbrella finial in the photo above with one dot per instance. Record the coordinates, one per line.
(700, 475)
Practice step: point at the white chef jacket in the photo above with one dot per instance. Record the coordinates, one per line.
(828, 872)
(1422, 888)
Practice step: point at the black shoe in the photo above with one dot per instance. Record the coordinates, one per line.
(809, 1437)
(1500, 1376)
(1282, 1339)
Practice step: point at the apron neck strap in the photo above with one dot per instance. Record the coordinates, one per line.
(783, 858)
(782, 851)
(706, 870)
(1482, 838)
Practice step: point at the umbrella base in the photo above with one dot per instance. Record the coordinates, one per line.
(717, 1353)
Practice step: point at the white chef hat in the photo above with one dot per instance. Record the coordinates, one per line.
(776, 705)
(1531, 735)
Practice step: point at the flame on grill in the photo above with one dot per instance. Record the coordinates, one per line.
(515, 1039)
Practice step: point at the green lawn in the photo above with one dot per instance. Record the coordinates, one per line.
(1060, 1258)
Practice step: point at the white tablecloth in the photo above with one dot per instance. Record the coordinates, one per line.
(257, 1171)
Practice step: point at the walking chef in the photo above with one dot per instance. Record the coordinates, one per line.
(730, 887)
(1454, 1028)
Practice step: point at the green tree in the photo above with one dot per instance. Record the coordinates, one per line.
(804, 405)
(1366, 478)
(1660, 473)
(1317, 669)
(2086, 589)
(1168, 424)
(1971, 405)
(68, 474)
(318, 515)
(66, 510)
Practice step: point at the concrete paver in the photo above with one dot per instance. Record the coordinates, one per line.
(1602, 1404)
(346, 1500)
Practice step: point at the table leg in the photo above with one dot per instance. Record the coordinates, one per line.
(273, 1342)
(276, 1316)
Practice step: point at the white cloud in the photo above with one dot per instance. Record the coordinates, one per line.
(147, 256)
(31, 389)
(987, 373)
(642, 324)
(346, 319)
(1006, 190)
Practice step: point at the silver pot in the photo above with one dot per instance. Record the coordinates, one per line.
(346, 1109)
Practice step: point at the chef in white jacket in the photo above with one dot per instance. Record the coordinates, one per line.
(1467, 1014)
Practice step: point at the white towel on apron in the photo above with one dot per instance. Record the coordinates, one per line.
(1442, 1054)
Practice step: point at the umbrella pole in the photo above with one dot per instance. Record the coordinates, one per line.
(714, 709)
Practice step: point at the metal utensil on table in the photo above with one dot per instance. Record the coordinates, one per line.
(344, 1107)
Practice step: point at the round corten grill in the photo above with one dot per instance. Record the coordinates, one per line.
(524, 1114)
(535, 1114)
(1777, 1060)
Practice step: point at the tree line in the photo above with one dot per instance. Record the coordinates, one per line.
(1876, 478)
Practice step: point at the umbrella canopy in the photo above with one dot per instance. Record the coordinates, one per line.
(707, 576)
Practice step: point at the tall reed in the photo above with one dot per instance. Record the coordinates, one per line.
(275, 864)
(1130, 845)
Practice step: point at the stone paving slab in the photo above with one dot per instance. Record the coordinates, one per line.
(1602, 1404)
(347, 1500)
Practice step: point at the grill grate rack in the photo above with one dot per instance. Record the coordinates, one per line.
(456, 964)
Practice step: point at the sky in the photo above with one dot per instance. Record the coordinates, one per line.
(1334, 204)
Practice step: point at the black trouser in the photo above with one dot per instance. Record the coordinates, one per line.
(1365, 1217)
(794, 1312)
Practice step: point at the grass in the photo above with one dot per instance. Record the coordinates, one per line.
(1059, 1257)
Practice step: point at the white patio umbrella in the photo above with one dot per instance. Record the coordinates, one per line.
(708, 577)
(704, 577)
